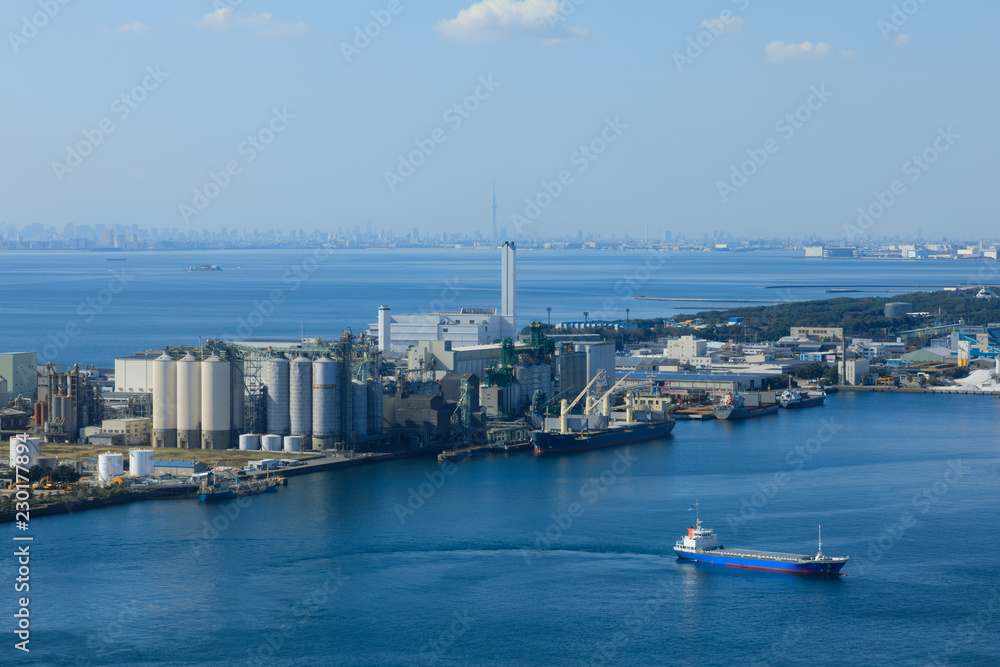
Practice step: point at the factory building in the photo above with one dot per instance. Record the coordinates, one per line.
(20, 369)
(135, 374)
(135, 431)
(462, 327)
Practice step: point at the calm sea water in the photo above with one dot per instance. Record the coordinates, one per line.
(80, 308)
(516, 559)
(346, 568)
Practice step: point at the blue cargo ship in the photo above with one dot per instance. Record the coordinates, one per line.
(702, 545)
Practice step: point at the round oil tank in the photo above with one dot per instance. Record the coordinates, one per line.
(300, 396)
(274, 374)
(897, 309)
(140, 462)
(293, 443)
(271, 443)
(110, 465)
(250, 442)
(23, 445)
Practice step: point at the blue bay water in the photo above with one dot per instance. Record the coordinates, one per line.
(268, 293)
(333, 569)
(150, 584)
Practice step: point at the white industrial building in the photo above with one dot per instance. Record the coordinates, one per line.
(462, 327)
(686, 348)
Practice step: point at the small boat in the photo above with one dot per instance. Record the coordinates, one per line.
(214, 488)
(793, 398)
(702, 545)
(205, 267)
(733, 407)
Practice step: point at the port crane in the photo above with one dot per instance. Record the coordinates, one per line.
(605, 400)
(565, 408)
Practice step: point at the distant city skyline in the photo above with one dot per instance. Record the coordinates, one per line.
(832, 119)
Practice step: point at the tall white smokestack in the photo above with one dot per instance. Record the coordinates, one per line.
(384, 322)
(508, 292)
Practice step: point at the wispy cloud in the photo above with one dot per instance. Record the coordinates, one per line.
(725, 23)
(491, 20)
(224, 19)
(901, 38)
(780, 52)
(136, 28)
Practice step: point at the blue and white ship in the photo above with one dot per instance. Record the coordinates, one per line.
(702, 545)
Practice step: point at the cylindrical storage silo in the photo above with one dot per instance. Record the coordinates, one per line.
(69, 416)
(270, 443)
(188, 403)
(293, 443)
(109, 466)
(164, 402)
(300, 396)
(359, 408)
(24, 446)
(379, 419)
(216, 397)
(250, 442)
(140, 462)
(274, 374)
(238, 401)
(325, 407)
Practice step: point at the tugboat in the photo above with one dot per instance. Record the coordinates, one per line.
(733, 406)
(226, 488)
(793, 399)
(702, 545)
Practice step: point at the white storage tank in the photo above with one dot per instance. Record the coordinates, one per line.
(216, 397)
(24, 445)
(293, 443)
(300, 396)
(271, 443)
(325, 407)
(110, 465)
(140, 462)
(250, 442)
(164, 401)
(359, 408)
(188, 403)
(274, 374)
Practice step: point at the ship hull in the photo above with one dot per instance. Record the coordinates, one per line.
(763, 563)
(559, 443)
(227, 494)
(804, 403)
(733, 414)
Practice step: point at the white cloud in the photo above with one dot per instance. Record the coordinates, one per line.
(901, 38)
(721, 24)
(847, 53)
(224, 19)
(490, 20)
(220, 19)
(779, 52)
(136, 28)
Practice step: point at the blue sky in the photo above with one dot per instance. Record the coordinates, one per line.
(682, 120)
